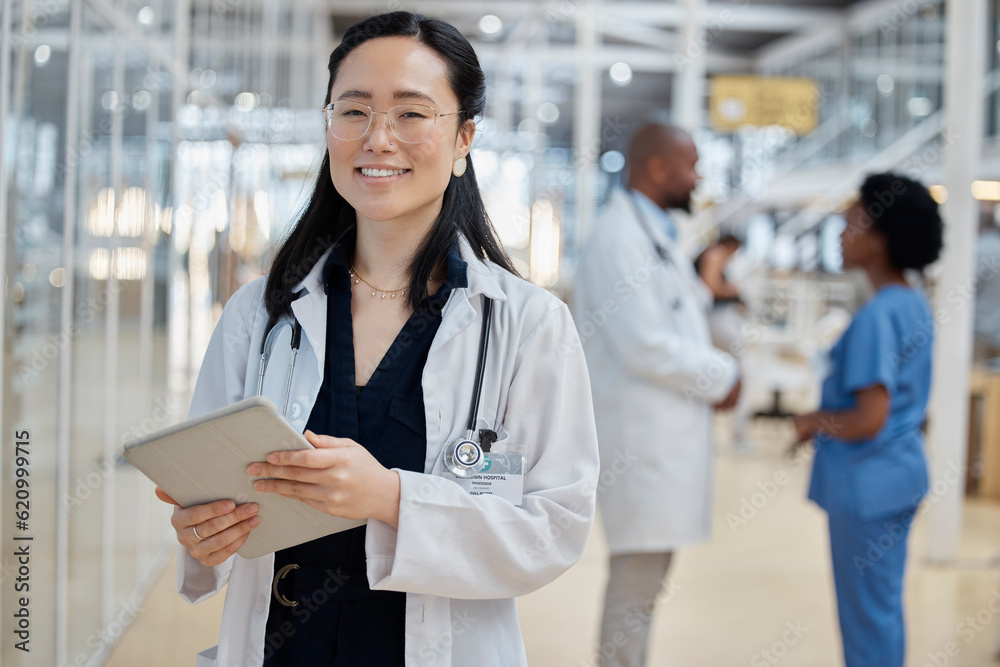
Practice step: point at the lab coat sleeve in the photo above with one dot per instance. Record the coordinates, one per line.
(455, 545)
(621, 284)
(221, 382)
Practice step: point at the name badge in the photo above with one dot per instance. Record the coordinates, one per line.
(502, 476)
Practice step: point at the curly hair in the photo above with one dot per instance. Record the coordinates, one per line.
(905, 213)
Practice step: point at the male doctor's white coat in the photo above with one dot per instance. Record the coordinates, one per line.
(461, 559)
(643, 322)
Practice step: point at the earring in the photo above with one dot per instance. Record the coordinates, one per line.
(458, 166)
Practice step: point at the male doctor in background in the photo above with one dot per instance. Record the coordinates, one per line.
(642, 314)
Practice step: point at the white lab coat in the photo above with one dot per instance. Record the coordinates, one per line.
(655, 374)
(461, 559)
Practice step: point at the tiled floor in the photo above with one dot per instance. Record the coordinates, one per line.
(732, 601)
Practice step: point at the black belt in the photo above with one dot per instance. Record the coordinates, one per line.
(294, 583)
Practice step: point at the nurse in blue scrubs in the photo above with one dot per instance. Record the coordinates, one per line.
(869, 472)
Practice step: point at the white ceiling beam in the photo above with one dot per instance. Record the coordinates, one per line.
(776, 18)
(637, 33)
(639, 59)
(817, 36)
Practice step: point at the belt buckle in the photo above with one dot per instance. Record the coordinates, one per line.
(278, 576)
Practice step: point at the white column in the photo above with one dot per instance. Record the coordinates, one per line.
(689, 80)
(949, 409)
(70, 188)
(112, 320)
(178, 371)
(586, 116)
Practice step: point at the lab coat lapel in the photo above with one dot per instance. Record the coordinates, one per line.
(310, 310)
(459, 312)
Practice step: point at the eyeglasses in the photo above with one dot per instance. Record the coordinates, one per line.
(410, 123)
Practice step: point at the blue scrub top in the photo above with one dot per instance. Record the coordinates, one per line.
(889, 342)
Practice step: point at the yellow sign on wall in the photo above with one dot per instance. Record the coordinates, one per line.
(737, 100)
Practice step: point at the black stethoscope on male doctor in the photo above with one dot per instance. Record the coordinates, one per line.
(463, 458)
(661, 250)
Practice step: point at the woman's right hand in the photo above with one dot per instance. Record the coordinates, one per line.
(222, 527)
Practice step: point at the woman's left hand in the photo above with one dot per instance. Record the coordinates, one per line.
(805, 426)
(339, 477)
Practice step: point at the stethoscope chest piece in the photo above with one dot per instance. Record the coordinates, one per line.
(464, 458)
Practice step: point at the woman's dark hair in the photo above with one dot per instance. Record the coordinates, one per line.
(905, 213)
(729, 239)
(329, 219)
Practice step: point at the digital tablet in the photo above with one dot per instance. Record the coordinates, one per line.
(205, 459)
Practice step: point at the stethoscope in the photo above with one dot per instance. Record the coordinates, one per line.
(463, 458)
(265, 354)
(661, 250)
(466, 457)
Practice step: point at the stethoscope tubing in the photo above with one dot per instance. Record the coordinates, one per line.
(484, 344)
(663, 253)
(272, 327)
(265, 355)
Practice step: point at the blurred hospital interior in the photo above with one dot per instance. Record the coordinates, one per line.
(154, 152)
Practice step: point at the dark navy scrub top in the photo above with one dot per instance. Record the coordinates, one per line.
(340, 621)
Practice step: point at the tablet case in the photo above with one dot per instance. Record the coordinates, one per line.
(206, 459)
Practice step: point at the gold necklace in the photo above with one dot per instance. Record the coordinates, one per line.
(375, 290)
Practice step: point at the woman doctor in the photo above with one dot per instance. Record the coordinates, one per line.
(387, 272)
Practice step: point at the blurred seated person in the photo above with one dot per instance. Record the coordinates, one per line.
(711, 267)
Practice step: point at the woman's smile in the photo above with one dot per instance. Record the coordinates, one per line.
(378, 176)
